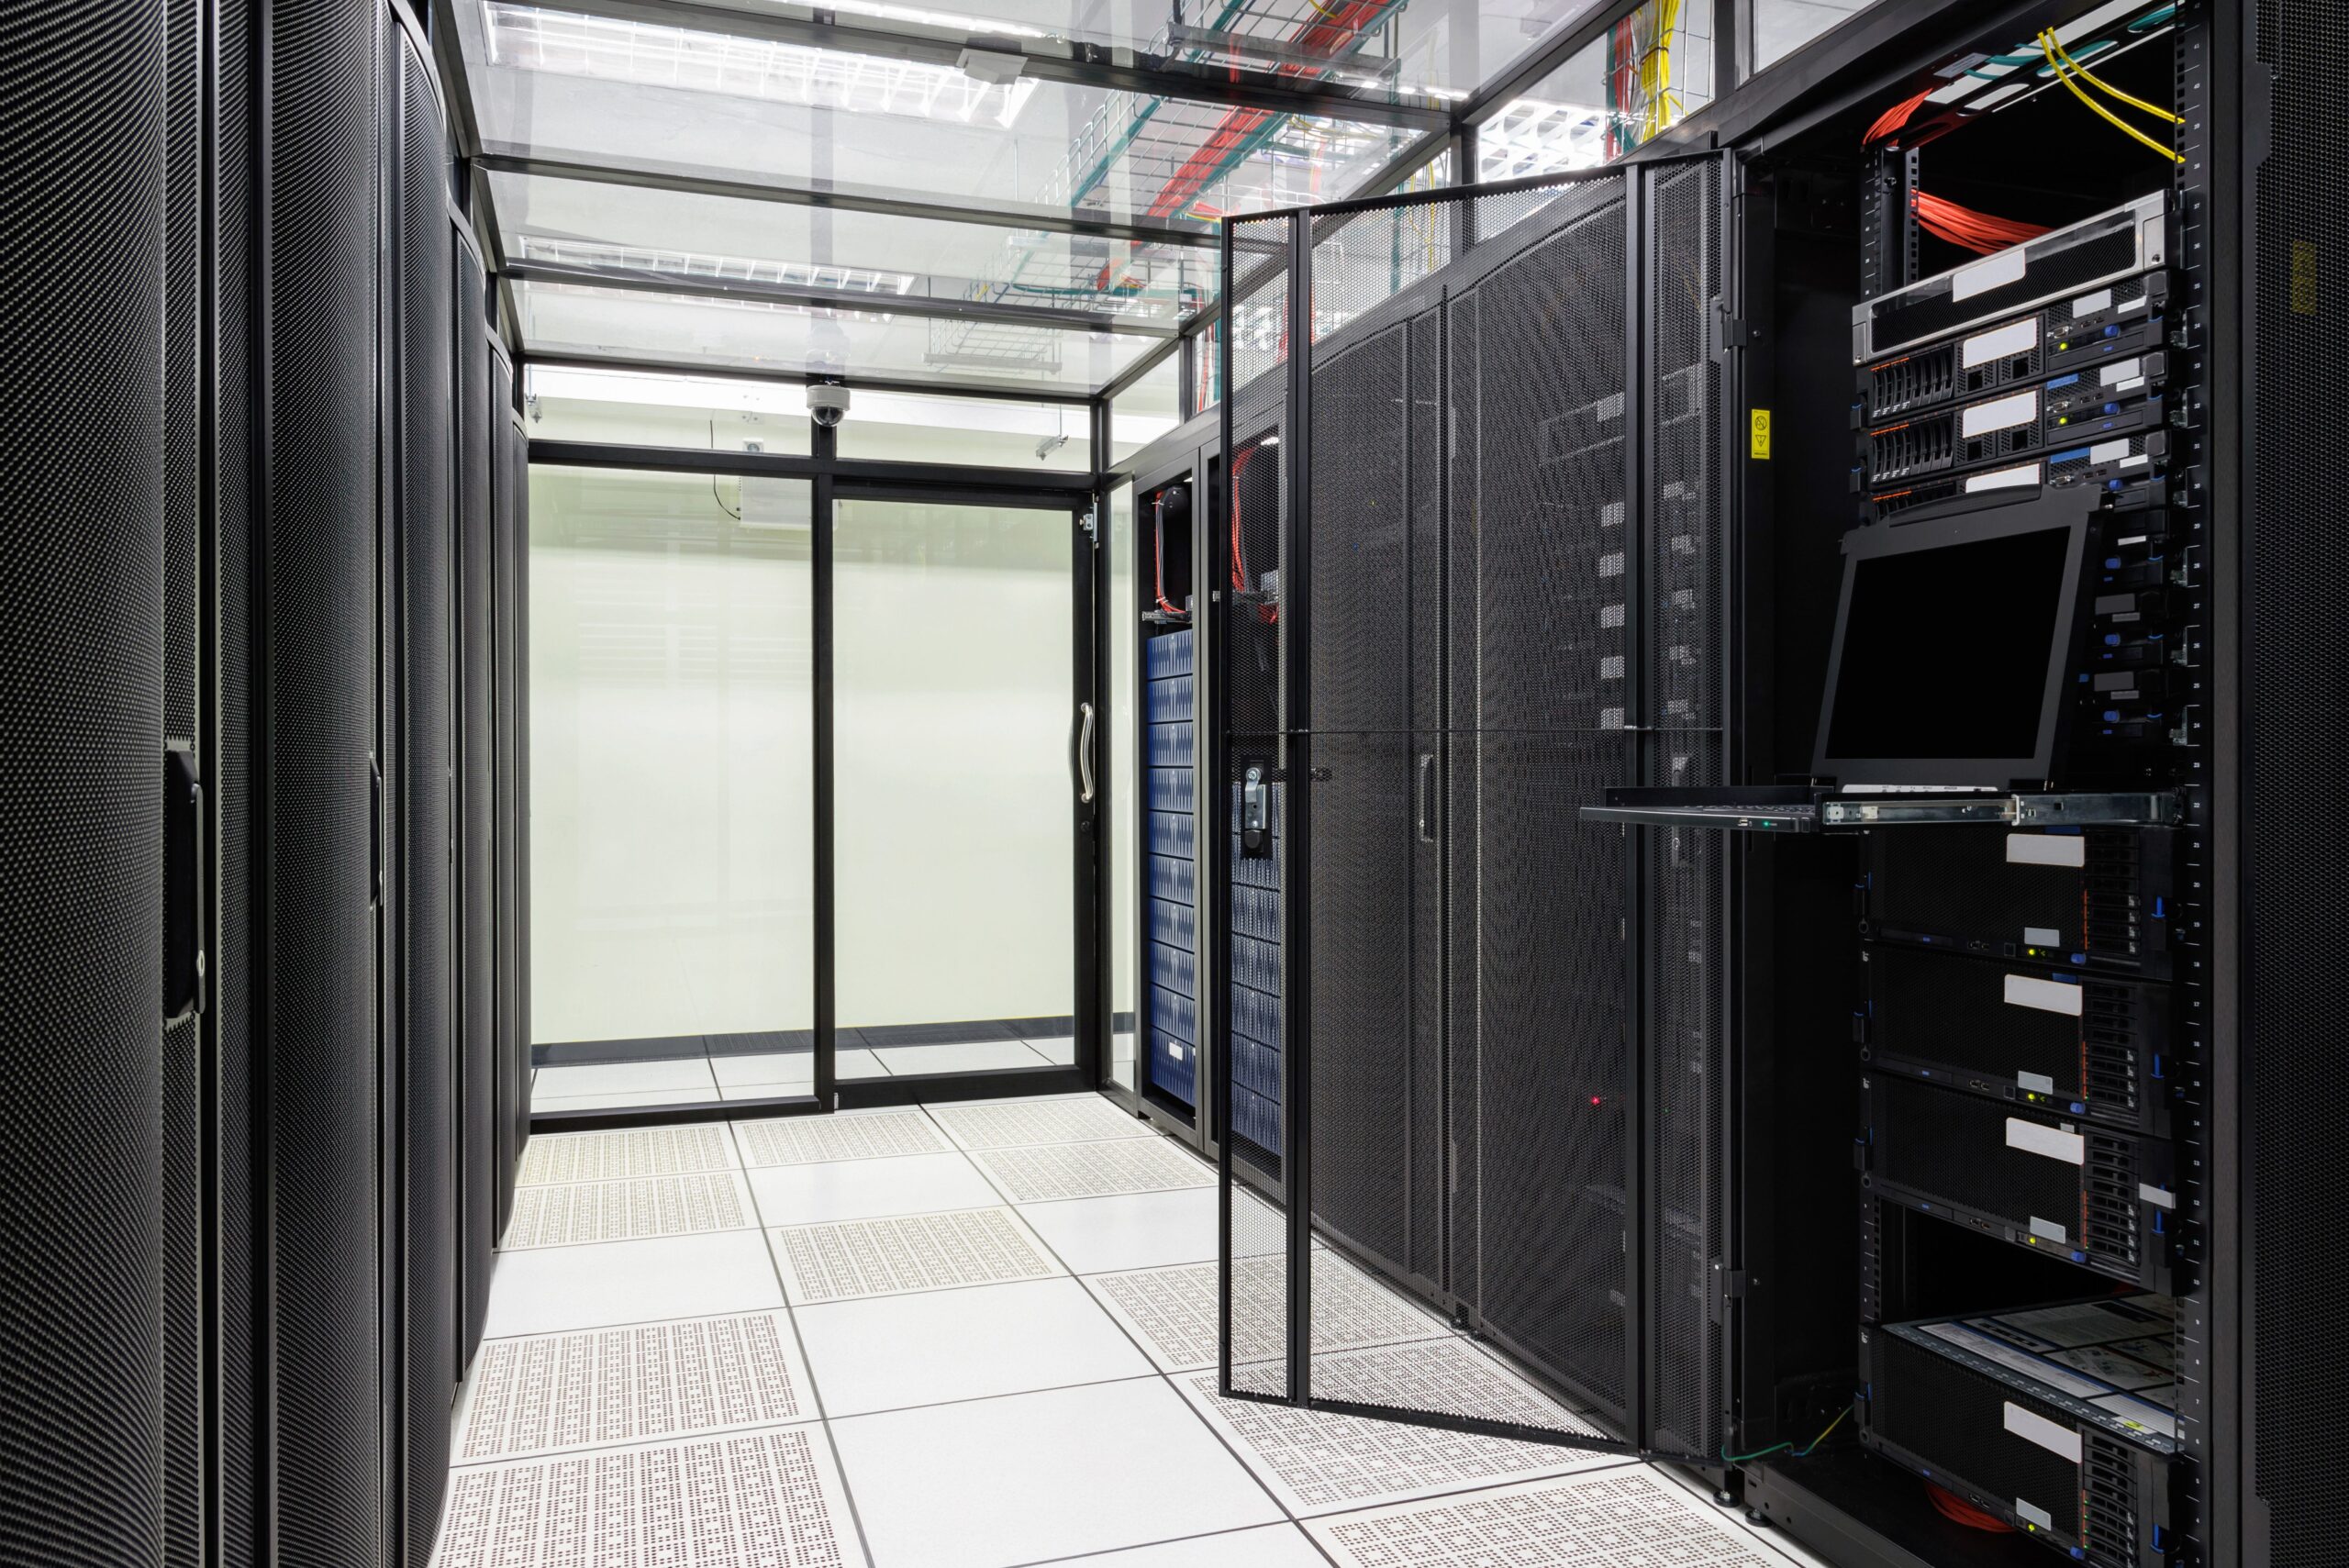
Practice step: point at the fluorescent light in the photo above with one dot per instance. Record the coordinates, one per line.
(598, 254)
(525, 38)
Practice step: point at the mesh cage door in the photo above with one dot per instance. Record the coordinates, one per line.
(1242, 867)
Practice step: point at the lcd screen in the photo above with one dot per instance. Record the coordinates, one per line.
(1946, 651)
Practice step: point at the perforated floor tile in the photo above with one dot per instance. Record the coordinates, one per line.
(575, 1212)
(1009, 1123)
(1092, 1170)
(1175, 1315)
(1622, 1517)
(609, 1386)
(803, 1139)
(1316, 1462)
(612, 1156)
(854, 1258)
(770, 1499)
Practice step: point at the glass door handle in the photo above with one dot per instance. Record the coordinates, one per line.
(1085, 752)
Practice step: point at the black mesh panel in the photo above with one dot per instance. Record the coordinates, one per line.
(2295, 685)
(81, 718)
(228, 786)
(314, 719)
(1542, 935)
(425, 899)
(475, 805)
(511, 1066)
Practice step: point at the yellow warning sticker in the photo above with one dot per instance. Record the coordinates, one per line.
(1762, 434)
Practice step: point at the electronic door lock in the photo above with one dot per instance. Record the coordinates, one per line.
(1255, 811)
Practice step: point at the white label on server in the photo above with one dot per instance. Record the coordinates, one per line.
(2108, 452)
(2127, 370)
(1994, 271)
(2004, 479)
(2037, 1083)
(2147, 1193)
(2032, 1426)
(2047, 995)
(2051, 1141)
(2042, 937)
(2003, 415)
(2090, 304)
(2047, 850)
(2030, 1512)
(2137, 304)
(2019, 337)
(2048, 1230)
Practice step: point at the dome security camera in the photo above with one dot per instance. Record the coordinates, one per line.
(826, 404)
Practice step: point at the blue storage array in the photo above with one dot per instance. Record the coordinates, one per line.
(1254, 1042)
(1173, 834)
(1173, 925)
(1170, 912)
(1169, 789)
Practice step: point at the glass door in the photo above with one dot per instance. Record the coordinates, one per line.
(964, 785)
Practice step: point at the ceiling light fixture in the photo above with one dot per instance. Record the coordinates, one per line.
(528, 37)
(600, 256)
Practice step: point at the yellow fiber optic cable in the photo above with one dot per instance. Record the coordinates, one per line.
(2123, 125)
(2093, 80)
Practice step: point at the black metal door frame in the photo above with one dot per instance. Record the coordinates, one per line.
(1304, 227)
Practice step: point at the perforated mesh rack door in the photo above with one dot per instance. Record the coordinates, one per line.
(1480, 588)
(313, 716)
(477, 912)
(80, 1096)
(2295, 691)
(427, 390)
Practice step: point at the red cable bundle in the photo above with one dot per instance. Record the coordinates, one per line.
(1955, 1507)
(1976, 231)
(1893, 118)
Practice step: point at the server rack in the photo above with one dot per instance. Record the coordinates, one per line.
(2156, 1016)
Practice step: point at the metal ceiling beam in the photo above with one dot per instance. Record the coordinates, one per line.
(749, 464)
(924, 386)
(1075, 63)
(948, 308)
(655, 176)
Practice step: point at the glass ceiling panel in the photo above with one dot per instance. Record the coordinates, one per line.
(570, 318)
(562, 85)
(1646, 73)
(582, 223)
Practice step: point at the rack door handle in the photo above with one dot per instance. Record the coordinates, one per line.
(1085, 752)
(1424, 791)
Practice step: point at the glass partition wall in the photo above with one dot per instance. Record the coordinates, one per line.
(815, 793)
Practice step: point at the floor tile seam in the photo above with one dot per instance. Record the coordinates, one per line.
(815, 1388)
(1143, 1376)
(1172, 1540)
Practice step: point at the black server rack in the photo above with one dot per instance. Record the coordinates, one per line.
(1168, 1025)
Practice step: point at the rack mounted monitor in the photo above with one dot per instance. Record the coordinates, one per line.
(1953, 648)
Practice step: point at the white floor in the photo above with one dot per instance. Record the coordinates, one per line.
(976, 1336)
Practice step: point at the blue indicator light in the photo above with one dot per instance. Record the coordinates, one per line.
(2113, 331)
(2078, 1109)
(2112, 640)
(2112, 409)
(2112, 485)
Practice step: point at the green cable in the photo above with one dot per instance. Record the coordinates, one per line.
(1804, 1452)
